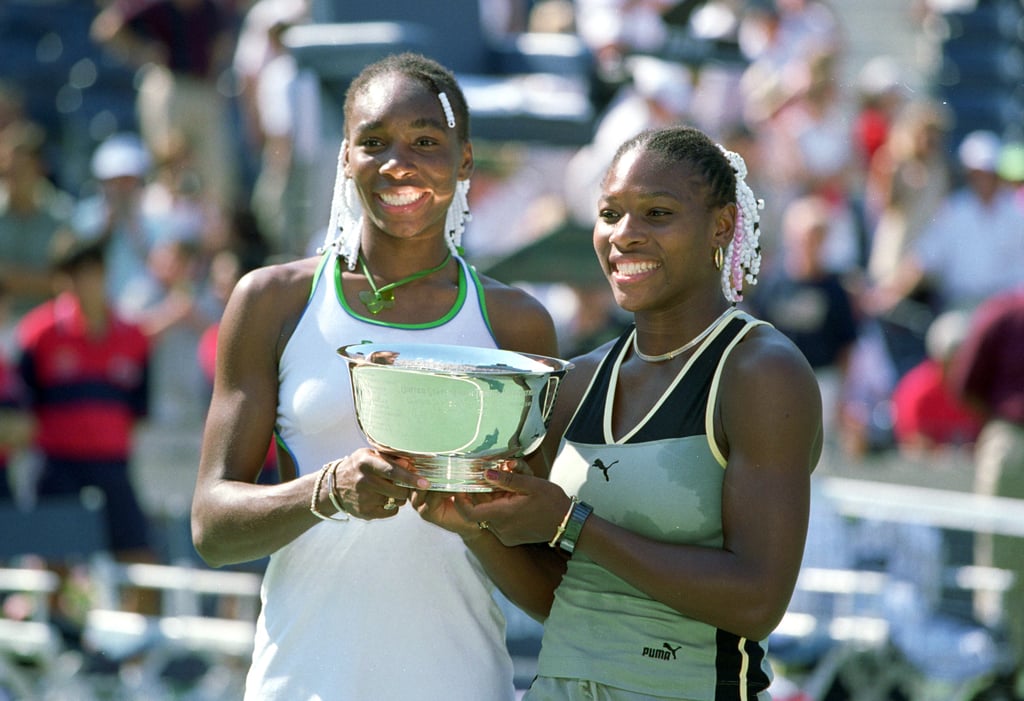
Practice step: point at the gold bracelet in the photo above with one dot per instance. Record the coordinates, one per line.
(565, 522)
(316, 497)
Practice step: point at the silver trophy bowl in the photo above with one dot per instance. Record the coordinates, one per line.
(454, 410)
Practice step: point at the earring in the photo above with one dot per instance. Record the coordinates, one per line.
(719, 258)
(457, 216)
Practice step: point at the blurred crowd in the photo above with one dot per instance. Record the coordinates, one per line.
(882, 236)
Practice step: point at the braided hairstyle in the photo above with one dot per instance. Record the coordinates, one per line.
(725, 174)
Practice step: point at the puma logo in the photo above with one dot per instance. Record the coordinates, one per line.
(665, 652)
(603, 468)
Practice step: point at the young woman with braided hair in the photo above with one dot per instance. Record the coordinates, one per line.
(361, 598)
(665, 547)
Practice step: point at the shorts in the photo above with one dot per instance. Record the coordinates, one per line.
(127, 526)
(557, 689)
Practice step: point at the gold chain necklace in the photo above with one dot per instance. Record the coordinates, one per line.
(681, 349)
(382, 298)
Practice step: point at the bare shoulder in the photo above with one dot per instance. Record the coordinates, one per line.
(518, 319)
(770, 397)
(276, 285)
(279, 278)
(766, 355)
(267, 300)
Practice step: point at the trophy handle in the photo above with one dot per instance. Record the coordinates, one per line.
(550, 393)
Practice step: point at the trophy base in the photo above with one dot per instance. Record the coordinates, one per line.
(454, 474)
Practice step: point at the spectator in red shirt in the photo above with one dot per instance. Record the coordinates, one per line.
(927, 414)
(85, 374)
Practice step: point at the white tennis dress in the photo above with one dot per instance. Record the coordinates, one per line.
(383, 610)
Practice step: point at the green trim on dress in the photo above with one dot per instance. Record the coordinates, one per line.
(459, 301)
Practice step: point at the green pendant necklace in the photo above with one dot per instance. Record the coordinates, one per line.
(382, 298)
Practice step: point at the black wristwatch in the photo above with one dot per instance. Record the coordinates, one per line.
(580, 513)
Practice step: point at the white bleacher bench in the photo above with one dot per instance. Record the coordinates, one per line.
(181, 625)
(34, 638)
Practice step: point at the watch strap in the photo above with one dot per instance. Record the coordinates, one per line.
(581, 511)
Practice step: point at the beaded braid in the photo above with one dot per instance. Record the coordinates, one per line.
(344, 227)
(743, 255)
(457, 216)
(345, 223)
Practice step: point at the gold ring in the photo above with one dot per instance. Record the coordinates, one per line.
(390, 504)
(483, 525)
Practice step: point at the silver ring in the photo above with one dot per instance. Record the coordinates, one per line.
(483, 525)
(391, 504)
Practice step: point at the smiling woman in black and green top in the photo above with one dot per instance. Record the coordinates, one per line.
(677, 506)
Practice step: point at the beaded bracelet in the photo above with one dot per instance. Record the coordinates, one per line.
(316, 497)
(565, 522)
(332, 493)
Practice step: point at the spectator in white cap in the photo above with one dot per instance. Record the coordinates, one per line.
(121, 156)
(974, 246)
(120, 165)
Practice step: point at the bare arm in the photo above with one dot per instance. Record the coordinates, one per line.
(770, 415)
(234, 519)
